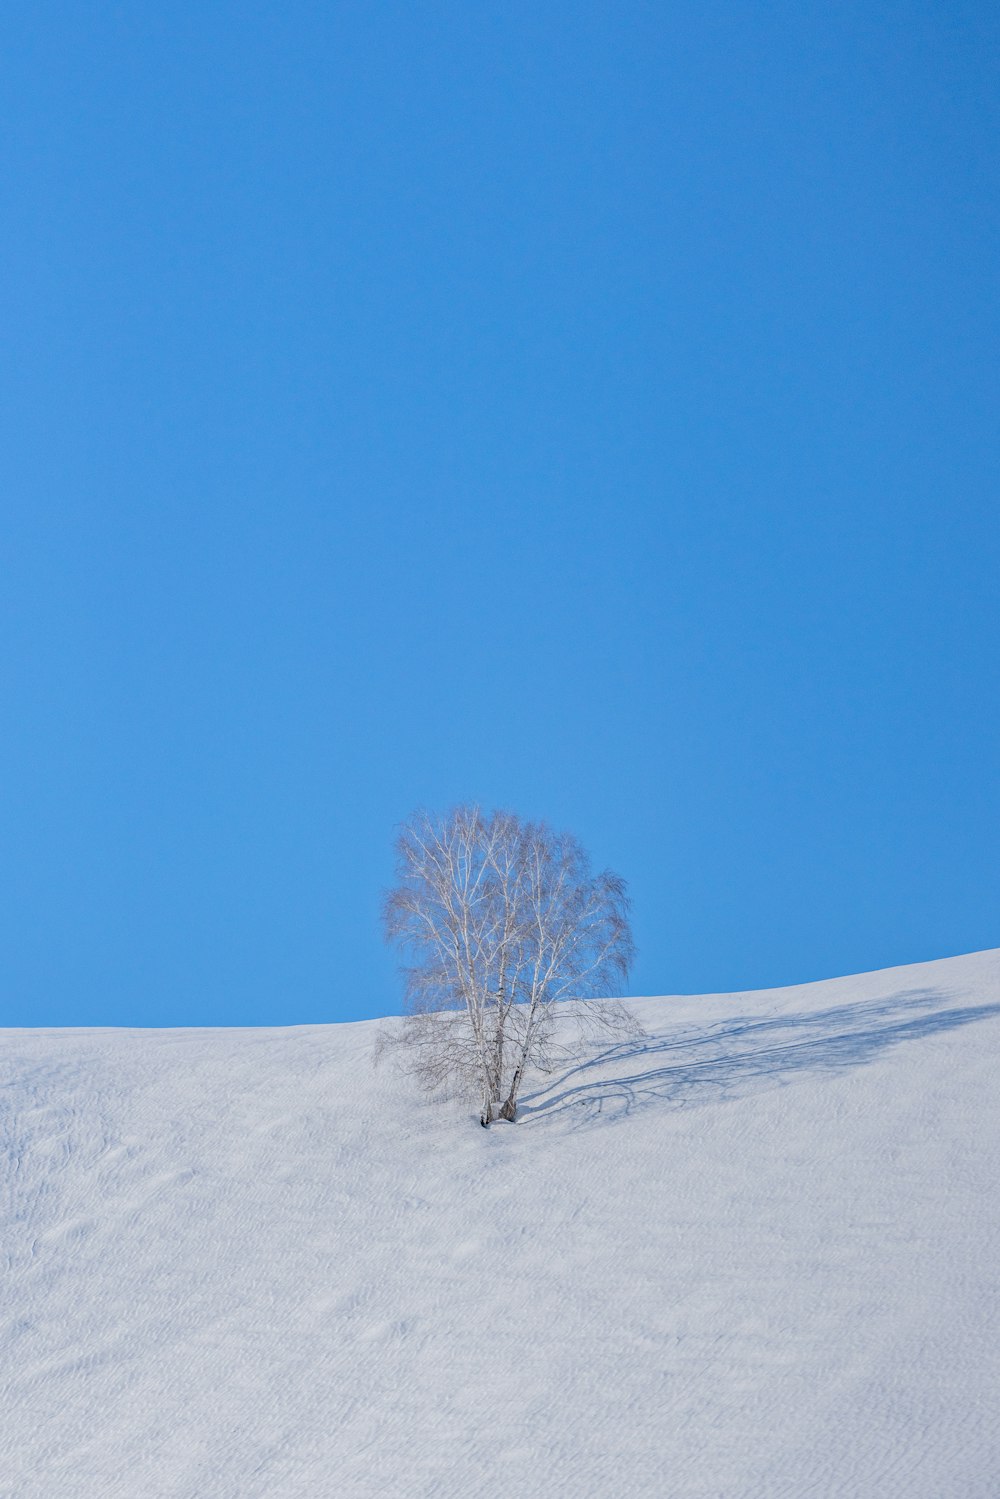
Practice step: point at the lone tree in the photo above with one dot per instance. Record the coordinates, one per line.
(499, 919)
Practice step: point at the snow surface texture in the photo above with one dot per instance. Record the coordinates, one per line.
(754, 1255)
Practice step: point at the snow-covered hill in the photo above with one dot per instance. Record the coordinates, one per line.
(757, 1254)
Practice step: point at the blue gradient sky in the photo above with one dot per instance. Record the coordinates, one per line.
(589, 409)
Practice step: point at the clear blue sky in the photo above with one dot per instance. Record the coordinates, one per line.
(588, 409)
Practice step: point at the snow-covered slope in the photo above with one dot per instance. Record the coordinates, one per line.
(755, 1255)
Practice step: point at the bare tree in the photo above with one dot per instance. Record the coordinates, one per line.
(499, 919)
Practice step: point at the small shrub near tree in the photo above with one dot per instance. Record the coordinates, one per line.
(498, 920)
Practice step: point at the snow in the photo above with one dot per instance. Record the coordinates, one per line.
(754, 1255)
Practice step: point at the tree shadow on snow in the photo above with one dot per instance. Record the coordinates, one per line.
(689, 1065)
